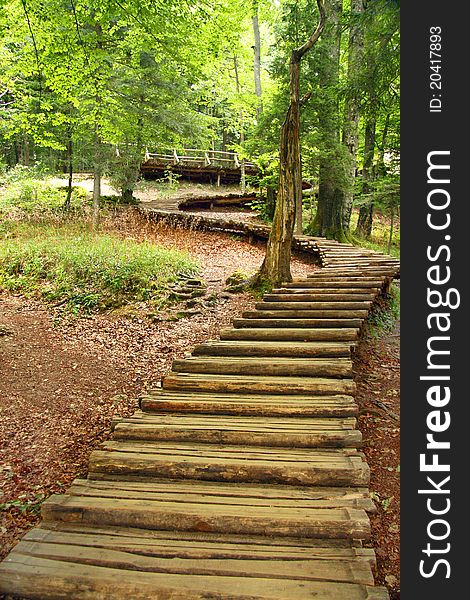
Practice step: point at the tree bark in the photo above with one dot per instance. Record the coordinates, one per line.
(328, 220)
(69, 168)
(257, 58)
(351, 107)
(276, 264)
(364, 223)
(242, 129)
(96, 177)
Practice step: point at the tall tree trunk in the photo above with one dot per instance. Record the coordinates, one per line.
(364, 223)
(257, 58)
(381, 169)
(96, 177)
(69, 167)
(276, 264)
(392, 215)
(25, 149)
(242, 129)
(351, 107)
(328, 220)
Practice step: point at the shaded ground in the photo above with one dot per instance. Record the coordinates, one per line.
(377, 374)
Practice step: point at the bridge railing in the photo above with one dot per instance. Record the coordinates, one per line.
(197, 158)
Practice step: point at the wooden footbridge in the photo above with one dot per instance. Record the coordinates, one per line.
(241, 477)
(214, 166)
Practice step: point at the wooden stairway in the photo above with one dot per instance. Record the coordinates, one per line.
(242, 477)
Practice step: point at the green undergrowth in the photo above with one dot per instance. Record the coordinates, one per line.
(69, 265)
(385, 312)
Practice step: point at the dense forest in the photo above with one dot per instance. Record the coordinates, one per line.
(91, 86)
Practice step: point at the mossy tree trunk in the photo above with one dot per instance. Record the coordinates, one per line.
(334, 160)
(352, 104)
(364, 222)
(276, 264)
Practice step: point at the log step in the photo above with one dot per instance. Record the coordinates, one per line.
(322, 308)
(301, 297)
(298, 335)
(179, 460)
(260, 313)
(50, 579)
(249, 431)
(318, 296)
(281, 349)
(303, 323)
(243, 384)
(256, 405)
(303, 367)
(201, 545)
(338, 282)
(312, 288)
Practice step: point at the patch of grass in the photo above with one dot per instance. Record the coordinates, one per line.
(22, 196)
(385, 313)
(82, 271)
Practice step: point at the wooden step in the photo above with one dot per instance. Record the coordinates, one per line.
(285, 349)
(202, 556)
(50, 579)
(303, 323)
(320, 296)
(245, 384)
(297, 335)
(325, 304)
(179, 460)
(354, 277)
(248, 431)
(298, 367)
(205, 545)
(320, 307)
(329, 281)
(310, 287)
(210, 493)
(261, 313)
(256, 405)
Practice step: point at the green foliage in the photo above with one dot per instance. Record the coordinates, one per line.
(32, 506)
(84, 271)
(24, 195)
(384, 314)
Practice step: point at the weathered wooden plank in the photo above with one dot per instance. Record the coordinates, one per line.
(313, 303)
(321, 280)
(286, 334)
(197, 545)
(231, 463)
(296, 323)
(257, 384)
(223, 432)
(305, 570)
(303, 367)
(187, 516)
(279, 348)
(261, 312)
(250, 405)
(44, 579)
(326, 303)
(318, 307)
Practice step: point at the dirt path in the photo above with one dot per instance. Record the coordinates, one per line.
(377, 374)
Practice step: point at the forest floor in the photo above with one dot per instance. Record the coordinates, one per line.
(62, 382)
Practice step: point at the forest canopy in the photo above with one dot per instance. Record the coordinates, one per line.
(91, 86)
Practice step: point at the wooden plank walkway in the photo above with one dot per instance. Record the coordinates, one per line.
(241, 477)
